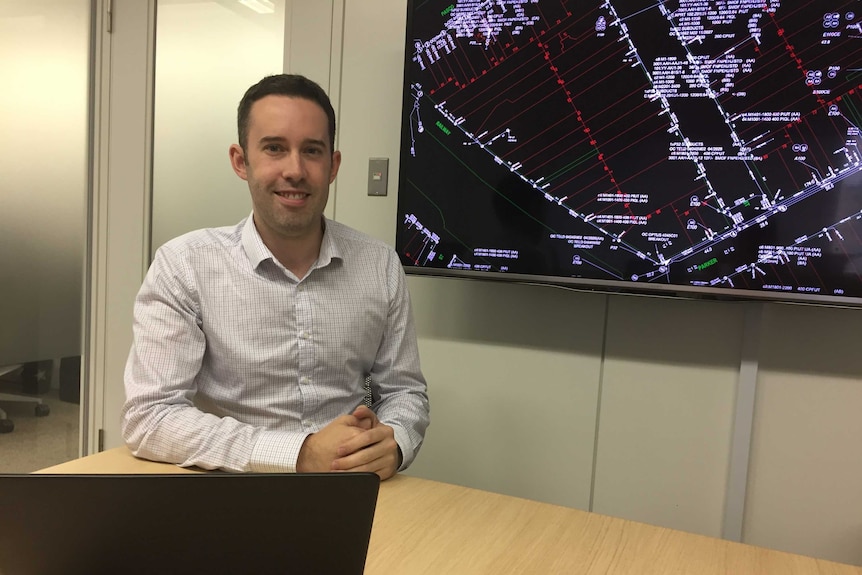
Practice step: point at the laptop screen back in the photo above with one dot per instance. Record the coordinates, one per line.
(197, 523)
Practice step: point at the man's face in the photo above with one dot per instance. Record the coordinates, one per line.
(288, 165)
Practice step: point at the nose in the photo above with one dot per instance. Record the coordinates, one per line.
(292, 167)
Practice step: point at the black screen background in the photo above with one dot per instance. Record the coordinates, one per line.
(547, 129)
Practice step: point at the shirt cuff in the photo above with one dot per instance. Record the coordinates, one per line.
(276, 452)
(403, 441)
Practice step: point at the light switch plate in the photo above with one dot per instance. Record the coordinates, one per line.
(378, 176)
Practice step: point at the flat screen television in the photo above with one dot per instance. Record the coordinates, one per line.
(688, 147)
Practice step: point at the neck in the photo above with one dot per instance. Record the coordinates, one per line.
(298, 253)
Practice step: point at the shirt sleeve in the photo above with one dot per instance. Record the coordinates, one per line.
(397, 384)
(159, 419)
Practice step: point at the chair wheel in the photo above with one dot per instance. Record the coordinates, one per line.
(6, 426)
(42, 410)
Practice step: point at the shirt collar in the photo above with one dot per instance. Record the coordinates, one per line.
(253, 245)
(329, 246)
(257, 252)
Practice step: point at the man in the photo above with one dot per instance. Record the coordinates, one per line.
(252, 343)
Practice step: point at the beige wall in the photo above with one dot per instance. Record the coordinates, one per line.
(529, 384)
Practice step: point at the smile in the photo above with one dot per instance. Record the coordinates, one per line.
(292, 195)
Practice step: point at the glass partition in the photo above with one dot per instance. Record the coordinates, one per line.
(44, 66)
(207, 55)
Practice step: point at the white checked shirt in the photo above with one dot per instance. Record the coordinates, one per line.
(235, 361)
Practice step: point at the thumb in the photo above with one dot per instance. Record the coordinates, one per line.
(367, 418)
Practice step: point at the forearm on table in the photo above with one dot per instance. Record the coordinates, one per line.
(186, 436)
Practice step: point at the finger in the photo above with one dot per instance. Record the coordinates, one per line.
(353, 462)
(360, 441)
(362, 461)
(347, 420)
(386, 447)
(377, 466)
(364, 413)
(359, 457)
(383, 466)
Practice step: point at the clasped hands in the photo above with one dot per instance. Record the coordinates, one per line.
(354, 442)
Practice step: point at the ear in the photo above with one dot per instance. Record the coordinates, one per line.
(336, 163)
(237, 161)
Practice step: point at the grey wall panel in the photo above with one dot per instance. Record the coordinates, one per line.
(805, 483)
(513, 375)
(668, 389)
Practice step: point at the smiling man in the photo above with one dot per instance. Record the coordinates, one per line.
(252, 343)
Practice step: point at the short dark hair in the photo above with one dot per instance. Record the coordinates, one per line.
(291, 85)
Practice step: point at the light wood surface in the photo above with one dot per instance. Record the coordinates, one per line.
(118, 460)
(427, 527)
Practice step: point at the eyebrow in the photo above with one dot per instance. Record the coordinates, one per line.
(278, 140)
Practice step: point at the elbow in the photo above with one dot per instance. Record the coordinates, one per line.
(132, 429)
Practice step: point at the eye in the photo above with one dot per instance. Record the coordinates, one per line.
(273, 148)
(314, 150)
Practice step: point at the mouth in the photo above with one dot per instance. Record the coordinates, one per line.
(292, 199)
(290, 195)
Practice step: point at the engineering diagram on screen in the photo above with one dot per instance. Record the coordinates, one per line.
(687, 143)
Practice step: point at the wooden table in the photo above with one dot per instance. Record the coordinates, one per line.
(423, 526)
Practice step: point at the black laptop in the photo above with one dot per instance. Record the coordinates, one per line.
(197, 523)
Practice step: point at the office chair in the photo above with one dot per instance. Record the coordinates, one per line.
(41, 409)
